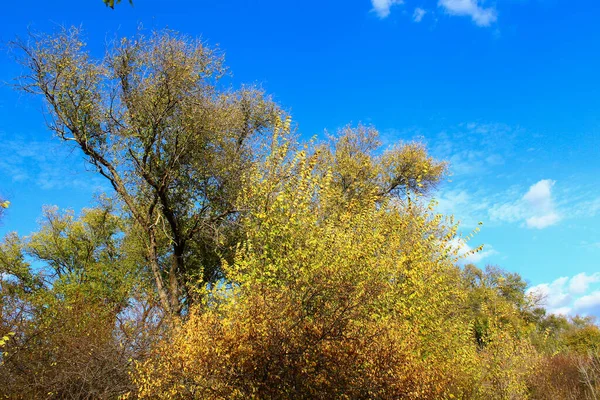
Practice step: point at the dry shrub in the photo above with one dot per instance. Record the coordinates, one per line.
(353, 301)
(76, 349)
(70, 354)
(267, 348)
(589, 370)
(558, 378)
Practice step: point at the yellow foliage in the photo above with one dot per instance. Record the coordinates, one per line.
(325, 300)
(282, 271)
(505, 365)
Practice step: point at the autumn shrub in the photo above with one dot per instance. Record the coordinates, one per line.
(324, 301)
(68, 353)
(558, 377)
(73, 309)
(589, 370)
(269, 346)
(74, 349)
(506, 363)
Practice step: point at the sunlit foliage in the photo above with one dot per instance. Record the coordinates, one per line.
(353, 298)
(235, 261)
(151, 118)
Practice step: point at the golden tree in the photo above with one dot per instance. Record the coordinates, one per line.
(326, 297)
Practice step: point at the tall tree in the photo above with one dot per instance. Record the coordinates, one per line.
(152, 118)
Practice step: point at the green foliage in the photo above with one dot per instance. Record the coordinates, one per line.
(582, 340)
(499, 296)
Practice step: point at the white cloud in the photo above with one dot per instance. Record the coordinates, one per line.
(562, 311)
(481, 16)
(543, 221)
(539, 198)
(581, 282)
(536, 208)
(382, 7)
(569, 296)
(553, 295)
(419, 14)
(588, 305)
(539, 195)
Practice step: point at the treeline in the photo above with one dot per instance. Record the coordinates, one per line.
(235, 261)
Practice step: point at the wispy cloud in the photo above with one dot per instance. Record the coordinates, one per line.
(536, 208)
(570, 295)
(382, 7)
(580, 283)
(489, 164)
(480, 15)
(475, 148)
(590, 245)
(587, 206)
(44, 164)
(477, 153)
(419, 14)
(468, 208)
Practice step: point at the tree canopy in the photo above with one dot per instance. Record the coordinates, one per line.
(234, 260)
(151, 118)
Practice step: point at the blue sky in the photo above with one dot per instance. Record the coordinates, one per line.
(506, 90)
